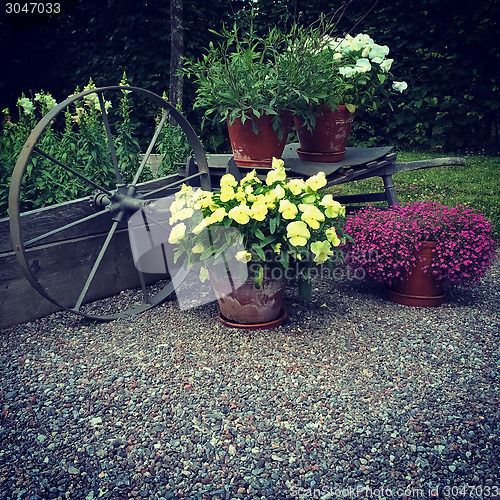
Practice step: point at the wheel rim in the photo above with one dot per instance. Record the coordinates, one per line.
(112, 207)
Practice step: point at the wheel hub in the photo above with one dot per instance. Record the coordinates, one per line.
(124, 201)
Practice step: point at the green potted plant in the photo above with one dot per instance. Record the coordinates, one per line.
(239, 82)
(278, 228)
(457, 243)
(330, 78)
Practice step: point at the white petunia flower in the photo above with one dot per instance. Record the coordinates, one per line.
(363, 65)
(386, 64)
(346, 71)
(399, 86)
(378, 51)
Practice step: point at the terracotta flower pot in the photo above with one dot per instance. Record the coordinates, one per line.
(419, 289)
(327, 141)
(257, 150)
(243, 305)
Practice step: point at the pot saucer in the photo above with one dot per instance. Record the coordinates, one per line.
(253, 163)
(414, 300)
(321, 157)
(256, 326)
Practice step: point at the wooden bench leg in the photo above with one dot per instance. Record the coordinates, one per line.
(390, 190)
(233, 169)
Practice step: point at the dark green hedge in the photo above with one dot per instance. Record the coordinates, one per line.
(446, 50)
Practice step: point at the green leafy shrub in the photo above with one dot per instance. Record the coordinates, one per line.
(78, 140)
(174, 148)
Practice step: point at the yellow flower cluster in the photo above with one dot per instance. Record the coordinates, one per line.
(272, 212)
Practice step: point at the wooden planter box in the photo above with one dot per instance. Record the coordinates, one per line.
(59, 260)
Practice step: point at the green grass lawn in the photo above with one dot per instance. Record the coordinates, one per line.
(477, 184)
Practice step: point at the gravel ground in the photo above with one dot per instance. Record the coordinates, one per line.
(353, 397)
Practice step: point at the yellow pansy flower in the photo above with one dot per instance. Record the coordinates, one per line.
(243, 256)
(176, 206)
(240, 214)
(228, 180)
(200, 227)
(312, 215)
(332, 207)
(198, 248)
(206, 199)
(279, 192)
(277, 173)
(288, 210)
(198, 194)
(321, 250)
(184, 193)
(226, 194)
(269, 199)
(277, 248)
(250, 178)
(259, 210)
(277, 163)
(296, 186)
(240, 195)
(185, 213)
(217, 216)
(177, 233)
(274, 176)
(297, 233)
(331, 236)
(316, 181)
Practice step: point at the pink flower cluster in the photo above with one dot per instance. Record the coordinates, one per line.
(386, 242)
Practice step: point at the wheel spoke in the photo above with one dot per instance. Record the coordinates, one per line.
(176, 183)
(69, 169)
(109, 135)
(145, 296)
(63, 228)
(141, 274)
(96, 266)
(164, 254)
(150, 147)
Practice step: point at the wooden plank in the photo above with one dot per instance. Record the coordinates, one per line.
(19, 302)
(363, 172)
(37, 222)
(61, 269)
(421, 164)
(354, 157)
(34, 222)
(361, 198)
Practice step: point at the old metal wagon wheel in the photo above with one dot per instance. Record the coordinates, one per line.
(102, 214)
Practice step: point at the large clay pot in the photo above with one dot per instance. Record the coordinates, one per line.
(419, 289)
(257, 150)
(327, 141)
(242, 304)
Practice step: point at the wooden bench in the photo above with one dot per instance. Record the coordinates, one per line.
(359, 163)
